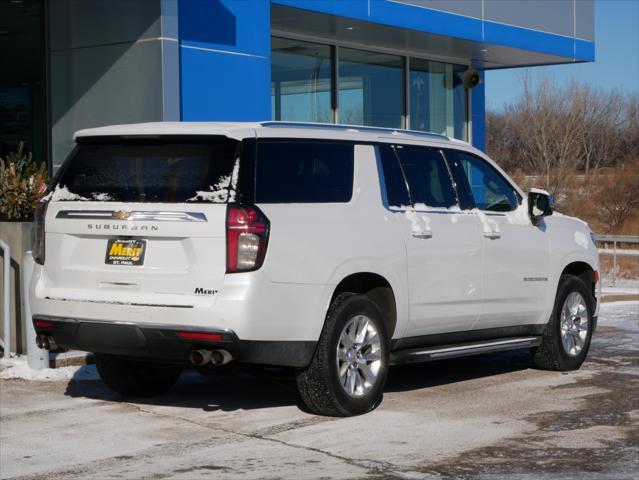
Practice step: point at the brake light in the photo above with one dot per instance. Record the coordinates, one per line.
(247, 231)
(38, 243)
(212, 337)
(596, 276)
(44, 324)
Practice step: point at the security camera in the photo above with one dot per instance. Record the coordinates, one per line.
(471, 78)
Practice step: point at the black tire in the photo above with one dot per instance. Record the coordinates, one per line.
(551, 355)
(319, 383)
(131, 378)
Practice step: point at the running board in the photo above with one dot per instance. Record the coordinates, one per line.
(428, 354)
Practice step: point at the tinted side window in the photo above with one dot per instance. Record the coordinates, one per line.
(303, 172)
(394, 181)
(489, 189)
(427, 176)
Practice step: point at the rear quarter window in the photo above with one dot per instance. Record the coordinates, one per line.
(160, 171)
(303, 172)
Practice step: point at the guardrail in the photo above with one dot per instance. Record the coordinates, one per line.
(615, 240)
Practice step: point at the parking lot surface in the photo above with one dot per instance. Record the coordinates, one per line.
(491, 416)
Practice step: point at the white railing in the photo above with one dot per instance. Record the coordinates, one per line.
(6, 295)
(615, 240)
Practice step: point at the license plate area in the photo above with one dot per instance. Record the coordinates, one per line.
(125, 251)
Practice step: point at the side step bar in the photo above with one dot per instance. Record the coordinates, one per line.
(429, 354)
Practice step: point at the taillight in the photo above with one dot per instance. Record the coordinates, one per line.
(38, 242)
(247, 230)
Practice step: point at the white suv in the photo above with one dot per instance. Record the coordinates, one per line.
(336, 250)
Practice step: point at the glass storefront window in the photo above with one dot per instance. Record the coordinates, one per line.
(300, 81)
(370, 88)
(438, 98)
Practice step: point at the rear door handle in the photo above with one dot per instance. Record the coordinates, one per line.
(423, 234)
(492, 234)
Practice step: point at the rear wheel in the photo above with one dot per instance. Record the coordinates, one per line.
(136, 379)
(348, 371)
(566, 341)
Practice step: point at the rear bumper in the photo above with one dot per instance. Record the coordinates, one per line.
(164, 343)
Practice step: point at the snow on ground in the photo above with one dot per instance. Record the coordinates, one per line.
(623, 315)
(18, 367)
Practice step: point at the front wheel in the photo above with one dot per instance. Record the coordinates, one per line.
(348, 371)
(566, 341)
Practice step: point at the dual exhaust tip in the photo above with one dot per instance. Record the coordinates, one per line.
(45, 342)
(215, 357)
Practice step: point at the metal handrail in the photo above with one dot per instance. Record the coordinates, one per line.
(617, 238)
(6, 293)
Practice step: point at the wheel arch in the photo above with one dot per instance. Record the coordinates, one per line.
(377, 289)
(585, 272)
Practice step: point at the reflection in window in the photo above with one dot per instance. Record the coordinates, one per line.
(489, 189)
(437, 98)
(427, 177)
(300, 81)
(370, 88)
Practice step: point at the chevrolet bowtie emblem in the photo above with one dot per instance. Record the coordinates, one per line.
(121, 215)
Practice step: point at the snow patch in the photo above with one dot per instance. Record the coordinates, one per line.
(18, 368)
(223, 191)
(519, 216)
(101, 197)
(419, 223)
(581, 239)
(423, 206)
(488, 224)
(62, 193)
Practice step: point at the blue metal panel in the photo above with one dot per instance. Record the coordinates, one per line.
(218, 86)
(478, 109)
(225, 59)
(585, 51)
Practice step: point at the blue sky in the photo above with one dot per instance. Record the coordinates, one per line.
(616, 63)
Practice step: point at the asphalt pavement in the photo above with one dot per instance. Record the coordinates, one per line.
(490, 416)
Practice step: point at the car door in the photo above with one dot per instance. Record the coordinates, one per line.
(443, 243)
(516, 265)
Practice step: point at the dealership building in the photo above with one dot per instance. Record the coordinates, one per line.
(73, 64)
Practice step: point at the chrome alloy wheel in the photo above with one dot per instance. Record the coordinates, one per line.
(359, 356)
(574, 324)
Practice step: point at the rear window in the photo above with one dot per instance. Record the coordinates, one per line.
(164, 172)
(303, 172)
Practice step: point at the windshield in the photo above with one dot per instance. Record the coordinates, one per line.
(151, 171)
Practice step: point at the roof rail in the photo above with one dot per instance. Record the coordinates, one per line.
(359, 128)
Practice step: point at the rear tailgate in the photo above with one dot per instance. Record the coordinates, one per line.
(141, 221)
(182, 259)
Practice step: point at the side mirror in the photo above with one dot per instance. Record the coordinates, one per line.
(540, 204)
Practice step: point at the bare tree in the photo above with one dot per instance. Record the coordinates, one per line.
(548, 131)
